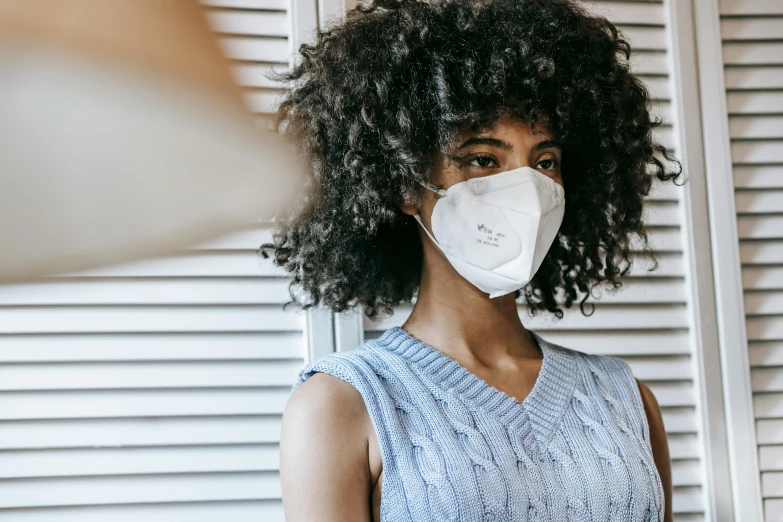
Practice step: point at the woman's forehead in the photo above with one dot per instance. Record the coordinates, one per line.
(504, 128)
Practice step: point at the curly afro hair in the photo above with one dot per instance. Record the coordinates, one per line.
(378, 95)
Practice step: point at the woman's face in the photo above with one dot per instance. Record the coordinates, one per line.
(508, 145)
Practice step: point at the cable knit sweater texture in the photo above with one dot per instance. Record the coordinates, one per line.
(457, 449)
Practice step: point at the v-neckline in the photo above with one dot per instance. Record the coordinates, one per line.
(543, 407)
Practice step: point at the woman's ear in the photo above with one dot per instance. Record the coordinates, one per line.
(406, 200)
(408, 207)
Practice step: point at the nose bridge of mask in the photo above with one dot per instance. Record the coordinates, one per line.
(523, 188)
(503, 180)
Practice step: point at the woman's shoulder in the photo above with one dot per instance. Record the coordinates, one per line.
(329, 393)
(611, 379)
(354, 366)
(599, 364)
(342, 391)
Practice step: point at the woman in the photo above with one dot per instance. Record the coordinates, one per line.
(446, 138)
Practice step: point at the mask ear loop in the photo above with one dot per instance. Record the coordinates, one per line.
(418, 218)
(432, 188)
(442, 193)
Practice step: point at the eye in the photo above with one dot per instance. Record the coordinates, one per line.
(483, 161)
(552, 162)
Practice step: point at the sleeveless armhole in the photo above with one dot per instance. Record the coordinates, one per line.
(353, 369)
(634, 405)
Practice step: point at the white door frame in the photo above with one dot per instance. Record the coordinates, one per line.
(729, 301)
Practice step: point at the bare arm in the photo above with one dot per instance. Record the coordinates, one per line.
(324, 465)
(660, 445)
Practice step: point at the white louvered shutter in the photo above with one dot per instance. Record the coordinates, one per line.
(154, 390)
(752, 33)
(649, 323)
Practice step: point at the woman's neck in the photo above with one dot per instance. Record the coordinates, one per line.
(460, 320)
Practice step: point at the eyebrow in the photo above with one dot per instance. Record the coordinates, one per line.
(500, 144)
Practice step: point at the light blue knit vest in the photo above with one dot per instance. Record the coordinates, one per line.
(456, 449)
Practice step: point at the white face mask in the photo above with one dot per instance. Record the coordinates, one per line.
(496, 230)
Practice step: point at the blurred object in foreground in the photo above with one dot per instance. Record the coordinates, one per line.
(123, 136)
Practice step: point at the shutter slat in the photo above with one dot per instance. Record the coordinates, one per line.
(679, 420)
(768, 405)
(662, 213)
(651, 63)
(270, 5)
(148, 375)
(136, 461)
(767, 303)
(256, 75)
(761, 252)
(755, 201)
(763, 328)
(663, 368)
(660, 109)
(751, 7)
(650, 38)
(687, 500)
(262, 101)
(758, 176)
(754, 78)
(684, 446)
(762, 278)
(771, 507)
(149, 291)
(758, 127)
(260, 23)
(664, 191)
(96, 404)
(638, 13)
(768, 151)
(767, 379)
(643, 291)
(139, 432)
(753, 53)
(152, 347)
(753, 227)
(750, 29)
(769, 432)
(662, 239)
(194, 264)
(102, 319)
(669, 265)
(754, 102)
(659, 87)
(762, 354)
(673, 393)
(81, 491)
(686, 473)
(245, 511)
(256, 49)
(772, 484)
